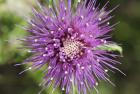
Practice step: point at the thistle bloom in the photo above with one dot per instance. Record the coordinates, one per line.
(67, 40)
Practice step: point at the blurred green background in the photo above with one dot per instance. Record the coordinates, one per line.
(127, 33)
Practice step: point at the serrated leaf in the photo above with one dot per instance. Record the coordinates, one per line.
(111, 47)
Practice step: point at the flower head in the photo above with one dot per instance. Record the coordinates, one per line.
(68, 41)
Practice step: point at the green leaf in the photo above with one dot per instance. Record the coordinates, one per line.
(51, 2)
(110, 47)
(75, 3)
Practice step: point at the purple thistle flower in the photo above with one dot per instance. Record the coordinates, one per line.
(68, 41)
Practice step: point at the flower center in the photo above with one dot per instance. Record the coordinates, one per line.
(71, 49)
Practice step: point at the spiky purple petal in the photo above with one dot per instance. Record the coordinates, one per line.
(66, 41)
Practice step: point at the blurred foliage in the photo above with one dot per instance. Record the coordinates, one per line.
(110, 47)
(9, 35)
(127, 33)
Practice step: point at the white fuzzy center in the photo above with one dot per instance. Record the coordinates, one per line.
(71, 48)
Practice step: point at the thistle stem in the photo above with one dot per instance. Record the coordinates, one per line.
(73, 86)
